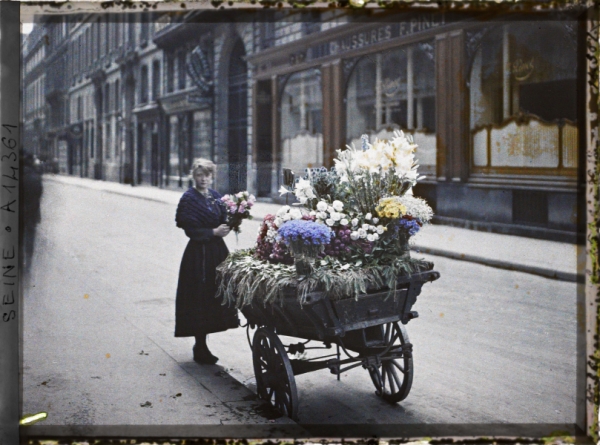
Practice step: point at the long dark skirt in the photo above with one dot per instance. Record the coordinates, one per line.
(197, 311)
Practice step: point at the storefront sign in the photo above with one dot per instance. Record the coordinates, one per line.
(382, 33)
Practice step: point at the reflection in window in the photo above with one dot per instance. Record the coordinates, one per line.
(523, 97)
(201, 134)
(395, 90)
(301, 121)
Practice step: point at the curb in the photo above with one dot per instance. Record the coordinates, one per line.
(499, 264)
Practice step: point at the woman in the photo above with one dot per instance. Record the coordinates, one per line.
(202, 217)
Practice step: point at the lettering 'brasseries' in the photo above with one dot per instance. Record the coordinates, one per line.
(417, 24)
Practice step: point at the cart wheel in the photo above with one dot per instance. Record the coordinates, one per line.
(275, 381)
(393, 377)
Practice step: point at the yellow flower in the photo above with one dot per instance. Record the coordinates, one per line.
(390, 208)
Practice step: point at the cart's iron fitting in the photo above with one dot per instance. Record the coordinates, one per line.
(409, 316)
(296, 348)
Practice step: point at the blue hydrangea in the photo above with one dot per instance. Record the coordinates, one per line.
(309, 232)
(412, 226)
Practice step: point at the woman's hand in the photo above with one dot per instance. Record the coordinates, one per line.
(222, 231)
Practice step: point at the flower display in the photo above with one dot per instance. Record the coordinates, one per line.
(360, 212)
(238, 208)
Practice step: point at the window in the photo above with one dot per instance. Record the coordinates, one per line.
(523, 96)
(117, 96)
(170, 73)
(106, 97)
(201, 134)
(395, 90)
(301, 121)
(144, 85)
(155, 80)
(108, 139)
(118, 24)
(181, 71)
(145, 31)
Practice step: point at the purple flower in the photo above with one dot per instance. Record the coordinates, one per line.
(412, 226)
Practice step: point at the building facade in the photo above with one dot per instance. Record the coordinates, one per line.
(494, 105)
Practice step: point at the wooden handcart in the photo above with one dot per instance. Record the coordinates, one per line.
(369, 331)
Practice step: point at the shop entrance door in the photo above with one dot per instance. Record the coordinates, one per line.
(237, 122)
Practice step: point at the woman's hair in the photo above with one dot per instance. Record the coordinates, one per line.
(206, 166)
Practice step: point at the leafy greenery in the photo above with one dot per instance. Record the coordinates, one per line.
(246, 280)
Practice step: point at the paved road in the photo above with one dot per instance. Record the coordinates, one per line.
(490, 346)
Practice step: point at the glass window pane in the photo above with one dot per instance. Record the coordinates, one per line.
(395, 90)
(523, 94)
(301, 121)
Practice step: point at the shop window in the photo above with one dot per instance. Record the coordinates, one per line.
(301, 121)
(202, 135)
(174, 148)
(523, 96)
(395, 90)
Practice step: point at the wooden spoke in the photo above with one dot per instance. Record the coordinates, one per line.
(385, 374)
(275, 381)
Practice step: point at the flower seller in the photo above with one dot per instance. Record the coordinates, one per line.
(202, 216)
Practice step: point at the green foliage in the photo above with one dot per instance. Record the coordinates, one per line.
(246, 280)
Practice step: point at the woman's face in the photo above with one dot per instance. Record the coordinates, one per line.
(202, 180)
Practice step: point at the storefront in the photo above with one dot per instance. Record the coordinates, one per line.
(493, 106)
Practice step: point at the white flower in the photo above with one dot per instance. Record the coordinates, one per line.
(375, 220)
(330, 222)
(375, 237)
(336, 216)
(312, 213)
(322, 206)
(362, 233)
(283, 210)
(354, 221)
(344, 222)
(296, 214)
(380, 229)
(368, 216)
(366, 226)
(370, 237)
(338, 205)
(322, 215)
(330, 209)
(287, 217)
(354, 236)
(303, 190)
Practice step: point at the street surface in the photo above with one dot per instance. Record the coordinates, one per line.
(490, 346)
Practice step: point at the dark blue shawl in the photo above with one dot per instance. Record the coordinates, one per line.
(197, 215)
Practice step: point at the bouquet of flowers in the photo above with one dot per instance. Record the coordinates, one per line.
(238, 208)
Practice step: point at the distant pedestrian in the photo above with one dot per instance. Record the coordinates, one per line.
(202, 216)
(31, 216)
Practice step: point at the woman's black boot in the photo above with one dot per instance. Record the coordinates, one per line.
(201, 353)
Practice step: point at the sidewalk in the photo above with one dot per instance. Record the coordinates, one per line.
(562, 261)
